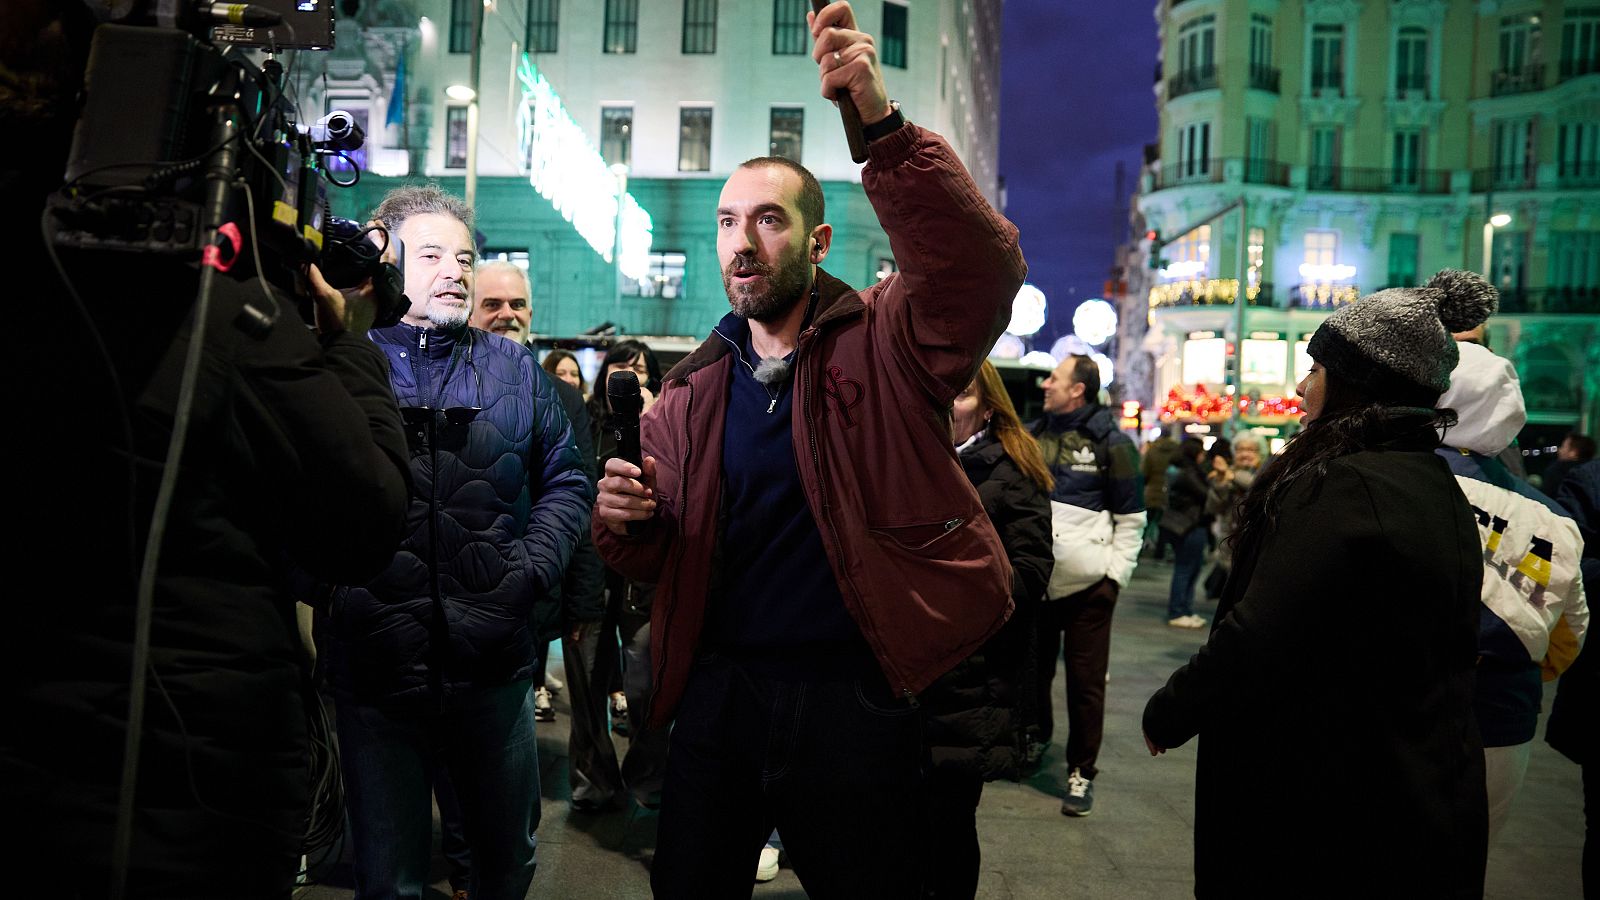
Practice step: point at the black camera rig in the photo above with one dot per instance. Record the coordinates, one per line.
(187, 149)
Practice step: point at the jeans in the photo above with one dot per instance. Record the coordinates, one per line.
(485, 741)
(834, 765)
(1186, 568)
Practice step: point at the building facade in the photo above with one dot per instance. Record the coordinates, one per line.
(1311, 152)
(679, 92)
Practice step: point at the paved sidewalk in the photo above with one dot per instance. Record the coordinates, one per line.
(1136, 845)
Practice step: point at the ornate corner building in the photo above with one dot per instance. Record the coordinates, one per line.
(1311, 152)
(680, 93)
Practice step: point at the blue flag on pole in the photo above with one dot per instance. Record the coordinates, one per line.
(397, 99)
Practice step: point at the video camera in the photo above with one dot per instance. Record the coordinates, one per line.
(185, 148)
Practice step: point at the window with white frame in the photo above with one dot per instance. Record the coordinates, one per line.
(1327, 59)
(1519, 43)
(1194, 151)
(1197, 46)
(1578, 152)
(1189, 255)
(1406, 171)
(1260, 42)
(455, 137)
(1580, 42)
(1513, 159)
(663, 276)
(1411, 62)
(1321, 253)
(616, 134)
(1326, 158)
(694, 139)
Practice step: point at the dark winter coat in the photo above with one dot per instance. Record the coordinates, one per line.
(496, 511)
(1574, 727)
(294, 456)
(1339, 753)
(583, 588)
(972, 724)
(1187, 491)
(1157, 457)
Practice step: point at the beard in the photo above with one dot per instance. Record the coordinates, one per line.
(446, 318)
(781, 287)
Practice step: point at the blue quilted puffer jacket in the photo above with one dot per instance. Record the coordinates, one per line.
(497, 506)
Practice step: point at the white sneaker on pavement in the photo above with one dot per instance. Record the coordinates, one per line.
(767, 866)
(543, 709)
(1189, 621)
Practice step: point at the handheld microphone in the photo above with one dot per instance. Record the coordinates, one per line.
(622, 395)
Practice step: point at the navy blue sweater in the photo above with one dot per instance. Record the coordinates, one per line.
(780, 603)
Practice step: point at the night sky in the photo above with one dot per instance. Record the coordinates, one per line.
(1075, 100)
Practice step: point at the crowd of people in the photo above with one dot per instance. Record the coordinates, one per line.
(826, 604)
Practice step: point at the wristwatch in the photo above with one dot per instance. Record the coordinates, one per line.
(887, 125)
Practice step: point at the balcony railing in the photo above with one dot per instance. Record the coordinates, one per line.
(1378, 181)
(1199, 78)
(1517, 81)
(1504, 178)
(1196, 171)
(1573, 68)
(1579, 174)
(1264, 78)
(1266, 171)
(1555, 300)
(1215, 171)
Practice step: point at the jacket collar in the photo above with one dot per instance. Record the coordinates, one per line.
(1092, 419)
(441, 342)
(836, 302)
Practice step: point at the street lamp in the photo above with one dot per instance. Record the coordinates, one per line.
(1498, 220)
(620, 170)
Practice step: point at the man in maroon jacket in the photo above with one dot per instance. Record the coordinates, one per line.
(821, 557)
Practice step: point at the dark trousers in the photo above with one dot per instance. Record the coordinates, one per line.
(1191, 558)
(1077, 628)
(834, 765)
(1591, 851)
(644, 767)
(950, 837)
(591, 757)
(486, 742)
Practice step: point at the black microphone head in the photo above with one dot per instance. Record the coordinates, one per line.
(622, 392)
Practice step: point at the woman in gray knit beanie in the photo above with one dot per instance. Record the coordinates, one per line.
(1334, 695)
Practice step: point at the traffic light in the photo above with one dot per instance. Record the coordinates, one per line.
(1155, 259)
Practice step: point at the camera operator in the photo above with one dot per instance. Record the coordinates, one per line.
(294, 458)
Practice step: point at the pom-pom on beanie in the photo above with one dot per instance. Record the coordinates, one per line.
(1396, 344)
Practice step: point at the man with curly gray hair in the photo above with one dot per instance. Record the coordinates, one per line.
(432, 661)
(430, 224)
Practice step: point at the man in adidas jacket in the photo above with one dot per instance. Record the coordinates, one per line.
(1098, 518)
(1534, 615)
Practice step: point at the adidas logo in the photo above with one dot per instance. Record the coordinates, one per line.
(1083, 456)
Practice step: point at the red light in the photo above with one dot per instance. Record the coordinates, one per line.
(1150, 235)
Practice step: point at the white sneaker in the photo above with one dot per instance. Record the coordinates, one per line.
(767, 866)
(1189, 621)
(543, 709)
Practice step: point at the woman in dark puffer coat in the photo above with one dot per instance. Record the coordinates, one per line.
(974, 728)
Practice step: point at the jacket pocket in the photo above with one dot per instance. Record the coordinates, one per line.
(920, 536)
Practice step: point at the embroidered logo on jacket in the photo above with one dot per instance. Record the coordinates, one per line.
(1083, 460)
(844, 392)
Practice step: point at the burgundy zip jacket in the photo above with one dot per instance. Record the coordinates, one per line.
(921, 569)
